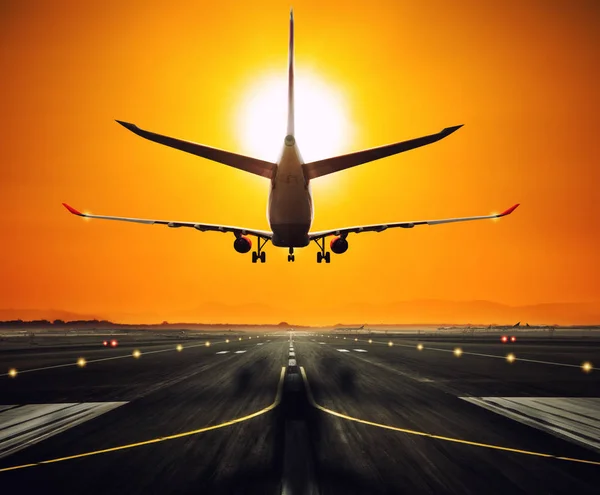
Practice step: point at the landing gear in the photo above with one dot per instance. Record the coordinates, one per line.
(259, 254)
(291, 257)
(322, 255)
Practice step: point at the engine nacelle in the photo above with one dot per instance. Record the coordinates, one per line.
(242, 244)
(339, 245)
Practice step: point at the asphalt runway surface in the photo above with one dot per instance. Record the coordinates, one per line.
(312, 415)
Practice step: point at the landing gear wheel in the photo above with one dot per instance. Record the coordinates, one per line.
(322, 254)
(259, 254)
(291, 258)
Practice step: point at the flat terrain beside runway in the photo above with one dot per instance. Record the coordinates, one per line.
(386, 398)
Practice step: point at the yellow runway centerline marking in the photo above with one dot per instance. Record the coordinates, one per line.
(311, 399)
(163, 439)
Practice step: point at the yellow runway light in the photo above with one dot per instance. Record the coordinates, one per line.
(81, 362)
(419, 347)
(390, 343)
(207, 343)
(12, 372)
(179, 348)
(586, 367)
(370, 341)
(227, 341)
(136, 354)
(511, 358)
(458, 352)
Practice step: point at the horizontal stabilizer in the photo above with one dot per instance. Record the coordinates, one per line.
(329, 165)
(246, 163)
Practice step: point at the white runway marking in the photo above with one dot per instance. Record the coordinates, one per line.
(321, 343)
(292, 362)
(24, 425)
(343, 350)
(292, 354)
(222, 352)
(574, 419)
(359, 350)
(260, 343)
(240, 352)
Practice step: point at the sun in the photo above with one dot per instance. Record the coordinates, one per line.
(323, 128)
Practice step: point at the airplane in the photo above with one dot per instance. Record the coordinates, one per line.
(290, 207)
(349, 329)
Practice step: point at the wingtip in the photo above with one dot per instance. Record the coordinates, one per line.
(450, 130)
(127, 125)
(509, 211)
(73, 210)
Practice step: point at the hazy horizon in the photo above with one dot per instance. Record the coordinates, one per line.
(424, 312)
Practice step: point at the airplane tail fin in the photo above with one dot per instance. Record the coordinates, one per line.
(290, 121)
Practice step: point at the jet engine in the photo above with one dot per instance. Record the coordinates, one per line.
(242, 244)
(339, 245)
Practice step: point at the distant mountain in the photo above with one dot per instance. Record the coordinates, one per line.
(424, 311)
(43, 314)
(474, 312)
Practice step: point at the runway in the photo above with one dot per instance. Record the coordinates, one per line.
(313, 413)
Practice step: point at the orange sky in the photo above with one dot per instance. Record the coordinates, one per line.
(522, 76)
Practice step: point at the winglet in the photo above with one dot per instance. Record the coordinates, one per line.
(127, 125)
(449, 130)
(508, 212)
(73, 210)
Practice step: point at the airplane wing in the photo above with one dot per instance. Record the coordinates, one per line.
(329, 165)
(405, 225)
(246, 163)
(202, 227)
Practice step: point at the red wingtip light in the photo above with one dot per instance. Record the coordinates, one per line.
(73, 210)
(509, 211)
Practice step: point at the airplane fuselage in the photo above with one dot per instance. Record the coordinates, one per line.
(290, 210)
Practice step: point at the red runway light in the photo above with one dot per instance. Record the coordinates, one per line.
(513, 339)
(113, 343)
(105, 343)
(504, 338)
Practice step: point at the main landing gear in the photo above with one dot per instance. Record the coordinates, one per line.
(259, 254)
(291, 257)
(322, 255)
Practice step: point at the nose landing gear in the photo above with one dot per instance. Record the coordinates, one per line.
(291, 257)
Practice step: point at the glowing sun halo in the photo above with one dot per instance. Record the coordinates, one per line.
(322, 125)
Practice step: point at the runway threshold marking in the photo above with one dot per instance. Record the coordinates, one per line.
(576, 419)
(26, 424)
(312, 401)
(265, 410)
